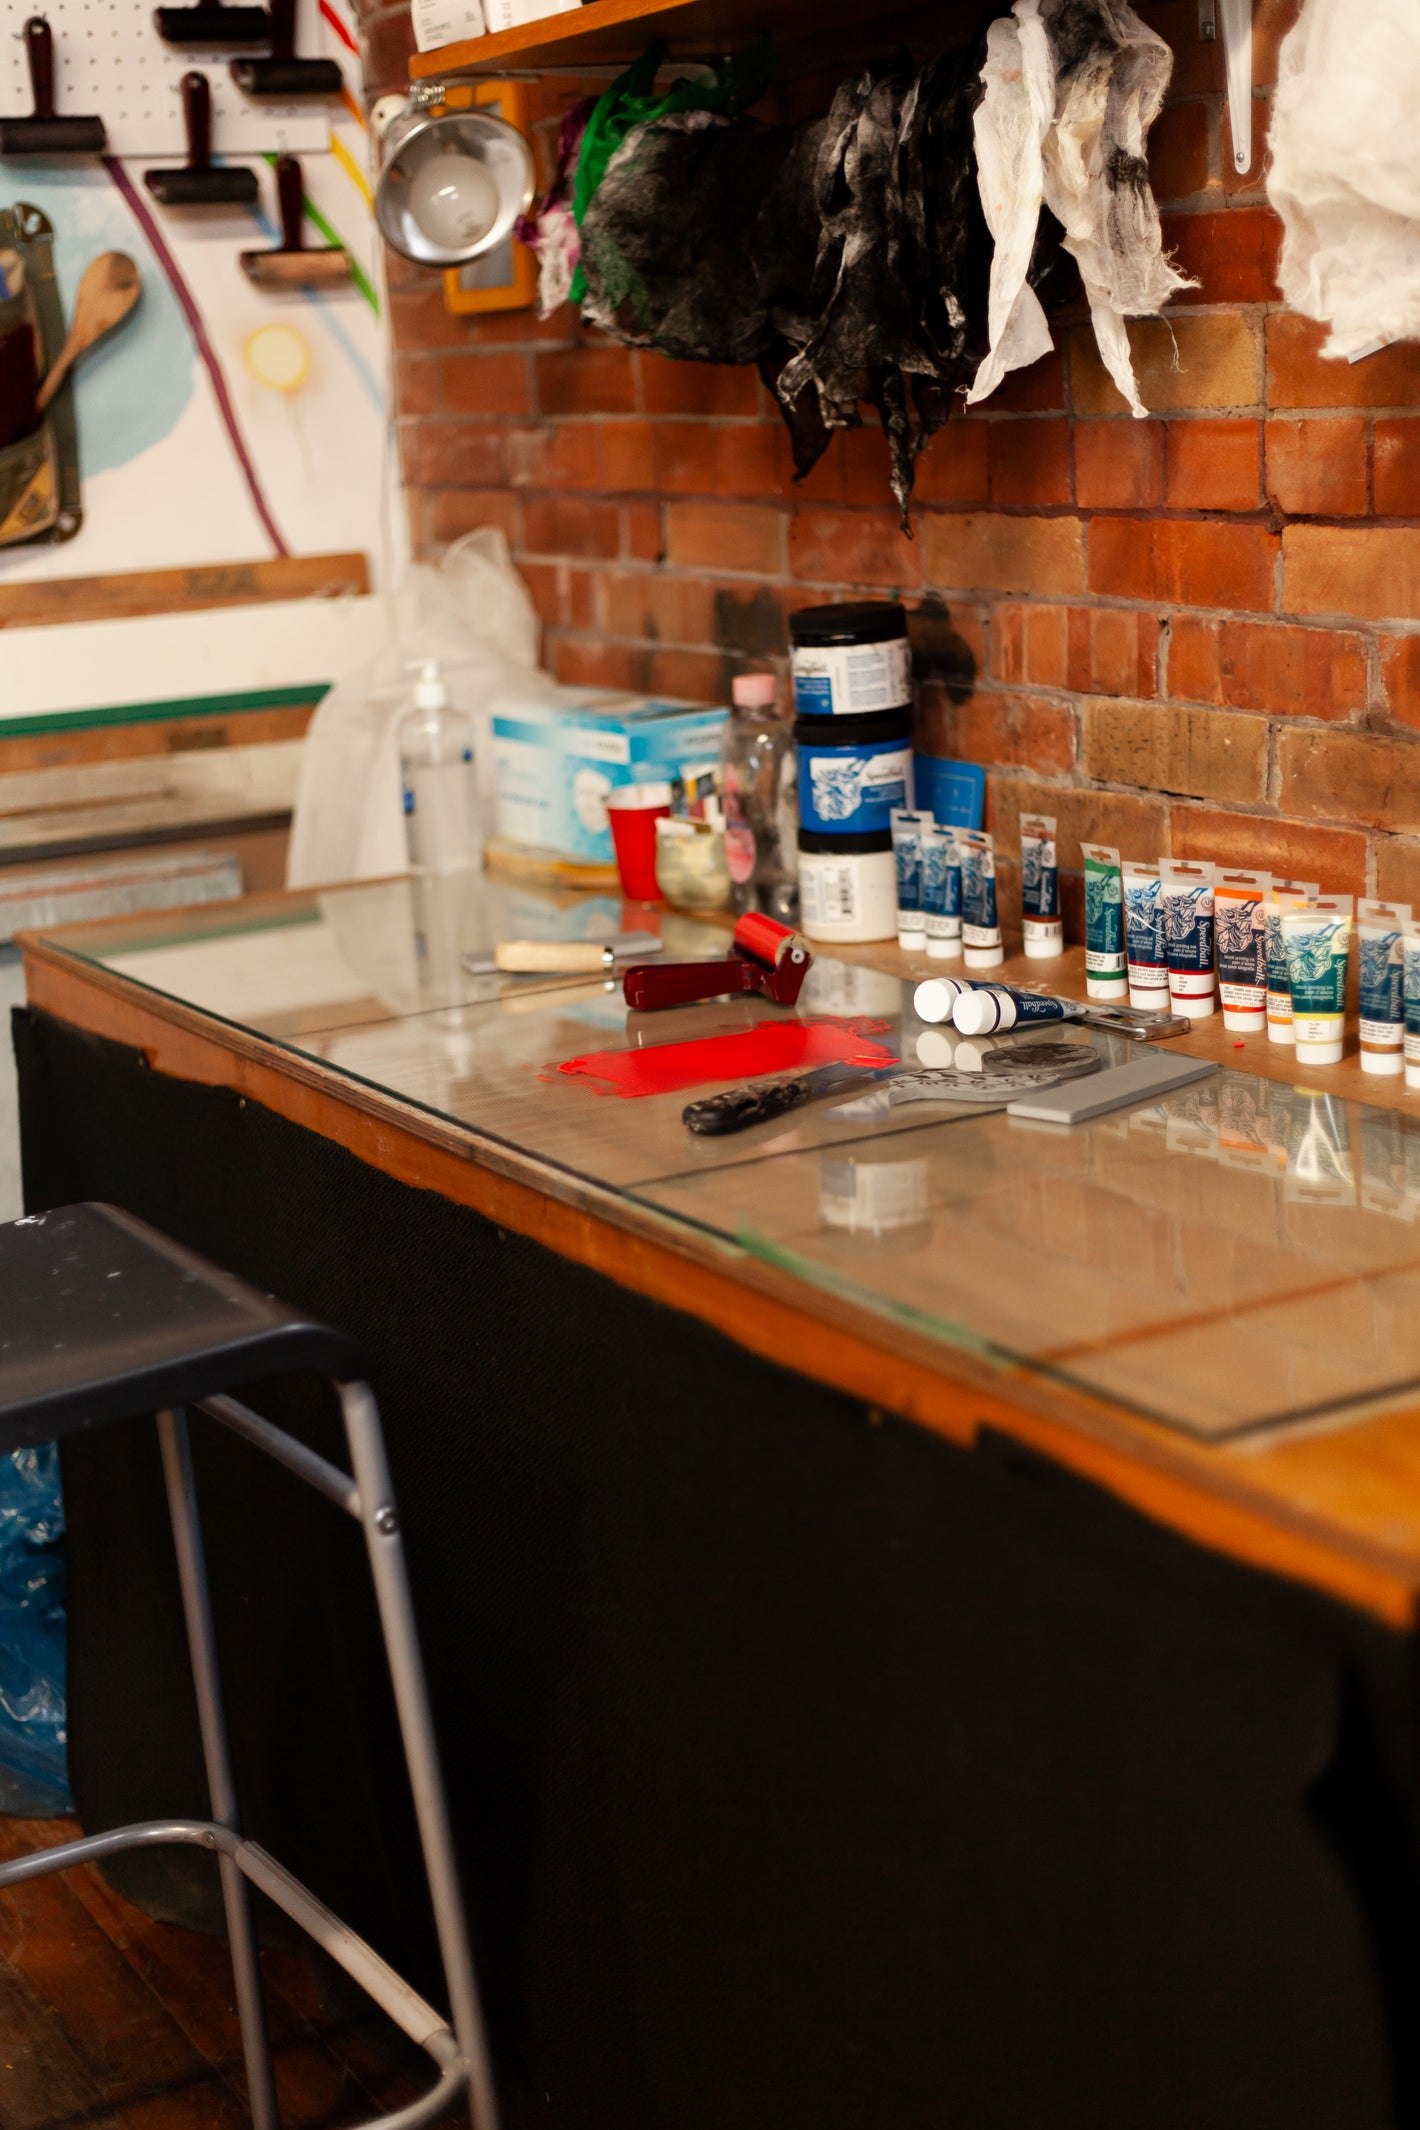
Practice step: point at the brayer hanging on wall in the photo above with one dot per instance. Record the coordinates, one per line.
(199, 183)
(283, 74)
(212, 27)
(43, 133)
(294, 264)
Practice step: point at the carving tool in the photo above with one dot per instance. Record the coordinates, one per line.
(283, 74)
(293, 263)
(766, 956)
(43, 133)
(108, 290)
(559, 957)
(734, 1111)
(212, 27)
(199, 183)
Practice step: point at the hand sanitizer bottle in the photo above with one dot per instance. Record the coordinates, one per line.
(441, 824)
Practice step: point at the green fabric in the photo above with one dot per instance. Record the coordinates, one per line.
(730, 88)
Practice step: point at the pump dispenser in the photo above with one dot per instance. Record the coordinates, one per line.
(441, 823)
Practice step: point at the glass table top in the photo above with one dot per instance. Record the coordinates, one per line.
(1242, 1254)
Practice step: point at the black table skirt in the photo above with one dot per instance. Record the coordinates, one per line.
(809, 1773)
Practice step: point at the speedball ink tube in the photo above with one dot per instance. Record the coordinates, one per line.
(1380, 928)
(1317, 937)
(1144, 937)
(1105, 975)
(1188, 936)
(980, 924)
(1240, 934)
(993, 1007)
(1411, 987)
(1284, 895)
(1044, 934)
(907, 829)
(934, 1000)
(941, 894)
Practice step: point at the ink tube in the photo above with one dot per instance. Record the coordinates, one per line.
(1105, 975)
(1187, 894)
(1285, 895)
(934, 1000)
(1380, 928)
(1411, 986)
(1040, 889)
(1240, 931)
(992, 1008)
(907, 827)
(1144, 937)
(941, 894)
(980, 925)
(1317, 937)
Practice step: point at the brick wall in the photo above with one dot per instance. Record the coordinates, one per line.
(1196, 633)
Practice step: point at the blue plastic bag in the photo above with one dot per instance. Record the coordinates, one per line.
(33, 1777)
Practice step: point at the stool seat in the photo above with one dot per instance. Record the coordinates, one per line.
(102, 1318)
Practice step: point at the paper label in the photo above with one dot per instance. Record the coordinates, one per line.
(1104, 919)
(439, 22)
(1381, 995)
(830, 891)
(851, 791)
(1241, 941)
(849, 680)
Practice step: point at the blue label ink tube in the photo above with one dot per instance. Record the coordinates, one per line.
(1187, 892)
(1240, 940)
(1041, 926)
(1380, 928)
(941, 894)
(1144, 937)
(980, 924)
(1104, 923)
(907, 831)
(1411, 988)
(1317, 937)
(1284, 895)
(996, 1007)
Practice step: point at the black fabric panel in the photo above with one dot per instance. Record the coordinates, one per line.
(810, 1774)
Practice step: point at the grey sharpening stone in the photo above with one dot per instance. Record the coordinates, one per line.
(1079, 1100)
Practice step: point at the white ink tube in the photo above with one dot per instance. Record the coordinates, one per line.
(1284, 895)
(933, 1001)
(906, 827)
(1240, 940)
(992, 1008)
(1041, 927)
(1411, 987)
(941, 894)
(1380, 928)
(1144, 937)
(1187, 892)
(980, 924)
(1104, 923)
(1317, 936)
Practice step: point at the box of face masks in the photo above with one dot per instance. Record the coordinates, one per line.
(554, 764)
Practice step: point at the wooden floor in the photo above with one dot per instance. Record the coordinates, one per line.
(110, 2020)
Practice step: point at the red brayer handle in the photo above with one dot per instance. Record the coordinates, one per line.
(649, 986)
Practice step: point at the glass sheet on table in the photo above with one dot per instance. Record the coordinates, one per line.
(1242, 1254)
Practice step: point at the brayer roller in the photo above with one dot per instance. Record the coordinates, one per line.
(43, 133)
(765, 956)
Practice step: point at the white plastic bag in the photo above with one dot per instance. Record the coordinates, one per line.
(472, 612)
(1345, 170)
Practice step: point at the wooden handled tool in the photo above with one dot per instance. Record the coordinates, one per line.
(293, 264)
(107, 293)
(199, 183)
(560, 957)
(42, 133)
(283, 74)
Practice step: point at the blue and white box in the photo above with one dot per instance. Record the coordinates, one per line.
(555, 763)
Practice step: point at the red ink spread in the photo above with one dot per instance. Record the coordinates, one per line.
(744, 1054)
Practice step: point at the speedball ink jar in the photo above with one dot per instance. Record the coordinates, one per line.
(854, 773)
(850, 661)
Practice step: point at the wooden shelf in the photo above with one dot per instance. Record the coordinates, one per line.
(611, 33)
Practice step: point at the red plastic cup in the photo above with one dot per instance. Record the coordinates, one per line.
(633, 811)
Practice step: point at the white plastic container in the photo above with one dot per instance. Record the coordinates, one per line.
(848, 896)
(442, 830)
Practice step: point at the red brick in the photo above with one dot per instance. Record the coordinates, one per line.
(1397, 870)
(592, 662)
(1184, 562)
(586, 380)
(862, 471)
(663, 609)
(1207, 754)
(1292, 850)
(452, 454)
(1119, 465)
(1014, 731)
(1318, 468)
(1047, 645)
(448, 513)
(387, 41)
(728, 536)
(691, 676)
(685, 457)
(566, 525)
(1008, 643)
(642, 533)
(628, 453)
(486, 383)
(1398, 469)
(1113, 651)
(1231, 255)
(1029, 462)
(1371, 571)
(1271, 22)
(1400, 671)
(1249, 180)
(697, 387)
(1181, 363)
(749, 461)
(564, 597)
(852, 547)
(1298, 375)
(1043, 556)
(1214, 465)
(556, 455)
(1038, 389)
(416, 385)
(1354, 777)
(1194, 674)
(420, 319)
(1134, 824)
(1178, 151)
(1286, 672)
(952, 469)
(1197, 64)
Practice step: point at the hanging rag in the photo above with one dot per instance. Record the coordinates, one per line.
(1101, 74)
(550, 230)
(1344, 173)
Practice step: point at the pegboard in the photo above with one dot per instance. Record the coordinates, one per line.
(110, 63)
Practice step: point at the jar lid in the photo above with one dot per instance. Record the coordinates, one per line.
(872, 621)
(754, 691)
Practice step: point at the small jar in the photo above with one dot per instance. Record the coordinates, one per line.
(692, 871)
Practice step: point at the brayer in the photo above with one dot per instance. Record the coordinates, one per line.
(283, 74)
(43, 133)
(199, 183)
(293, 264)
(766, 956)
(211, 26)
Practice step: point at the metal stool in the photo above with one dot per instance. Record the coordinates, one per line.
(102, 1319)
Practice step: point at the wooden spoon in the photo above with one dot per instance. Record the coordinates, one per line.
(107, 293)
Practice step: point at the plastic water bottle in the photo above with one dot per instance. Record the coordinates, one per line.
(757, 791)
(441, 825)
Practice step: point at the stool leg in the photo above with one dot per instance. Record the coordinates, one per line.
(381, 1524)
(216, 1752)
